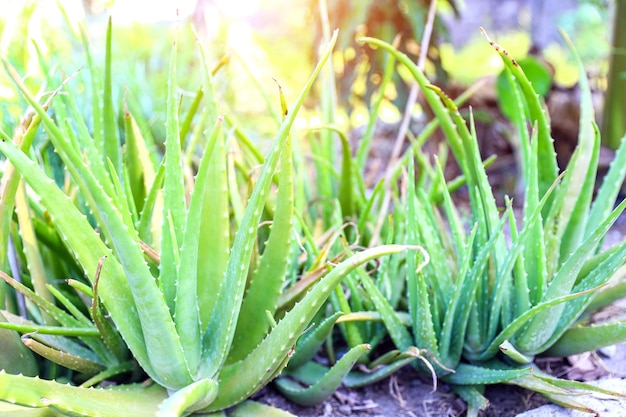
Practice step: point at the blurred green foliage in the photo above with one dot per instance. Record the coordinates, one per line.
(386, 20)
(614, 117)
(539, 75)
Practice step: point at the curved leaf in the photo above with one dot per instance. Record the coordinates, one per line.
(587, 338)
(241, 379)
(393, 361)
(324, 386)
(310, 342)
(191, 398)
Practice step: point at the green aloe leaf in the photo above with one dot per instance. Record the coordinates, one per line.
(149, 227)
(597, 277)
(309, 343)
(87, 336)
(62, 343)
(519, 324)
(15, 357)
(548, 169)
(267, 280)
(111, 144)
(215, 223)
(466, 374)
(515, 355)
(541, 327)
(380, 369)
(424, 330)
(69, 306)
(533, 282)
(10, 178)
(148, 343)
(65, 359)
(34, 260)
(583, 167)
(397, 330)
(473, 396)
(452, 215)
(431, 97)
(608, 192)
(54, 330)
(141, 172)
(193, 397)
(109, 334)
(253, 409)
(220, 331)
(135, 400)
(187, 313)
(185, 126)
(587, 338)
(320, 388)
(7, 409)
(537, 73)
(174, 206)
(339, 301)
(239, 380)
(347, 186)
(109, 373)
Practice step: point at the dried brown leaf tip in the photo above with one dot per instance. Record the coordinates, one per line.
(498, 48)
(492, 43)
(283, 103)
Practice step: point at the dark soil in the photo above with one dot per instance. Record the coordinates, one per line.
(407, 394)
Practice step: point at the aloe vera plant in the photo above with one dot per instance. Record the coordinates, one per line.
(164, 281)
(484, 308)
(352, 211)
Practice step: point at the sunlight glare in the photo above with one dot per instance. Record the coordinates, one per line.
(150, 11)
(237, 8)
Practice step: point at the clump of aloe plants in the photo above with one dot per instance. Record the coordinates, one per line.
(484, 306)
(172, 278)
(196, 278)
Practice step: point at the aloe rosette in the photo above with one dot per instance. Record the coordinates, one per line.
(484, 307)
(165, 281)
